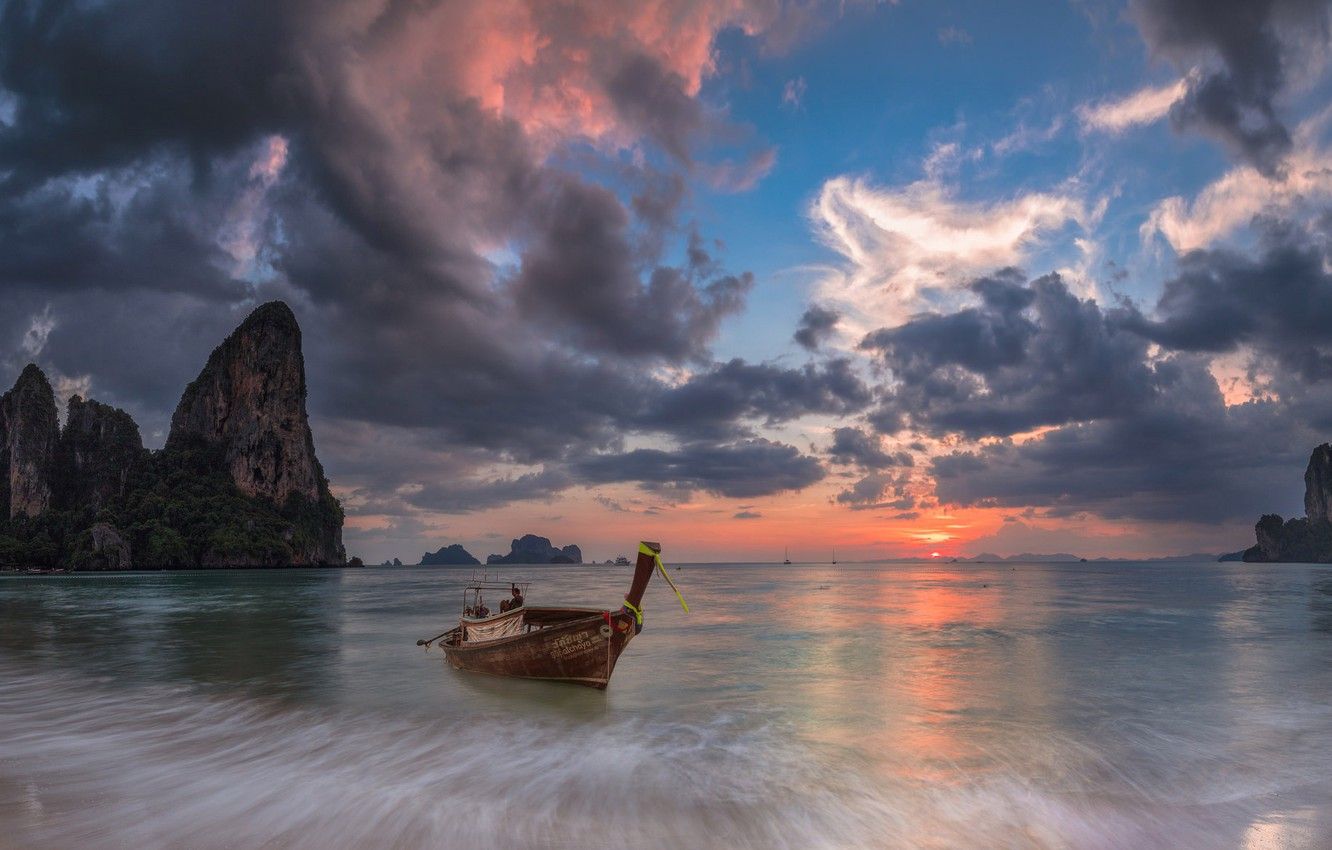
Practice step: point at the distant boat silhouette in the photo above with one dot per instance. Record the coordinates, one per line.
(788, 555)
(834, 554)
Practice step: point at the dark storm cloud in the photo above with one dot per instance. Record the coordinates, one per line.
(1134, 433)
(653, 100)
(853, 446)
(1027, 355)
(64, 237)
(402, 471)
(1184, 456)
(655, 203)
(581, 275)
(870, 491)
(593, 414)
(466, 495)
(1278, 302)
(656, 103)
(98, 85)
(816, 327)
(470, 384)
(1247, 49)
(138, 131)
(1171, 449)
(713, 403)
(740, 470)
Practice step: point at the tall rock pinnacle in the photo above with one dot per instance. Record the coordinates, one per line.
(28, 436)
(1318, 485)
(250, 399)
(249, 402)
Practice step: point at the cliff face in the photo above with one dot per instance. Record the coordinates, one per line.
(250, 398)
(1269, 531)
(99, 449)
(28, 436)
(1318, 485)
(531, 549)
(1306, 539)
(249, 404)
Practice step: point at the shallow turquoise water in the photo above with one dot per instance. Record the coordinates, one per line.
(938, 706)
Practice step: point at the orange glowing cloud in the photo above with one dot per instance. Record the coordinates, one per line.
(548, 65)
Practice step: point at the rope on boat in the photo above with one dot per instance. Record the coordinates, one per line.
(636, 611)
(644, 549)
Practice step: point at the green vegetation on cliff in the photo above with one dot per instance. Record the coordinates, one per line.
(238, 484)
(180, 509)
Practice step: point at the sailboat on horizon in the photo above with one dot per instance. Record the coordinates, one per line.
(834, 554)
(787, 556)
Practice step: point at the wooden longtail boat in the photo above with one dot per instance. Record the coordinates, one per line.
(577, 645)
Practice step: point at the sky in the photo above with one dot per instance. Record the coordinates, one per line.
(745, 277)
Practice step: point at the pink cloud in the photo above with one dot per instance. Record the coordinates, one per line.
(548, 65)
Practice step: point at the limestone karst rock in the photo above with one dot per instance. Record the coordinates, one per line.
(250, 398)
(1306, 539)
(532, 549)
(28, 436)
(449, 555)
(99, 448)
(1268, 531)
(249, 403)
(1318, 485)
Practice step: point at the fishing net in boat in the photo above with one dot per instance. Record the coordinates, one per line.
(495, 629)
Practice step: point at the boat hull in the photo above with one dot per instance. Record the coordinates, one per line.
(575, 645)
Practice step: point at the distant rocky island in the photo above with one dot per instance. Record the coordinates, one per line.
(237, 484)
(1306, 539)
(528, 549)
(454, 555)
(531, 549)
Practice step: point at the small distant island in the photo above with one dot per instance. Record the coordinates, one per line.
(531, 549)
(528, 549)
(454, 555)
(1306, 539)
(236, 485)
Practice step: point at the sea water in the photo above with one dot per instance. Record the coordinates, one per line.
(878, 706)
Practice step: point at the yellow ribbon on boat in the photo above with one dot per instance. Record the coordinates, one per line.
(644, 549)
(635, 610)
